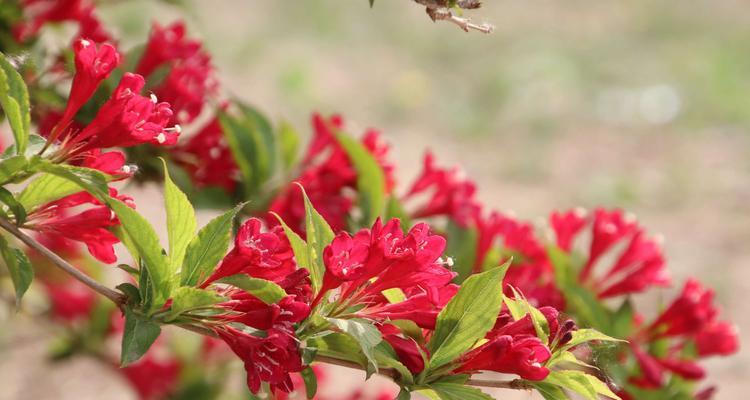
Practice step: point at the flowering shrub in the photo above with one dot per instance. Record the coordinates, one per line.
(322, 257)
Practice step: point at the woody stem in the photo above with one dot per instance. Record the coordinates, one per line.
(117, 297)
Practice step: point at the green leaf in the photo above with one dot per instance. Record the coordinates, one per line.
(586, 385)
(386, 357)
(188, 298)
(370, 179)
(288, 144)
(138, 336)
(549, 391)
(88, 179)
(14, 98)
(181, 223)
(462, 246)
(208, 248)
(519, 307)
(468, 316)
(267, 291)
(299, 246)
(581, 336)
(146, 242)
(311, 382)
(338, 345)
(46, 188)
(19, 212)
(622, 320)
(456, 391)
(10, 167)
(364, 332)
(319, 235)
(19, 267)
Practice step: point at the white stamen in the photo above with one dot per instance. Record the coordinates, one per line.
(214, 152)
(154, 99)
(161, 138)
(85, 43)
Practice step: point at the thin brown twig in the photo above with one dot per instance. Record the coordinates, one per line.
(116, 297)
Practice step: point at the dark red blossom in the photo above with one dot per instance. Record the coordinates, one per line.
(409, 352)
(688, 314)
(521, 355)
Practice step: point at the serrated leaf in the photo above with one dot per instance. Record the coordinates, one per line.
(19, 212)
(468, 316)
(311, 382)
(338, 345)
(46, 188)
(386, 357)
(138, 336)
(520, 307)
(181, 222)
(14, 98)
(267, 291)
(455, 391)
(207, 248)
(90, 180)
(187, 298)
(364, 333)
(19, 268)
(319, 235)
(370, 179)
(146, 242)
(10, 166)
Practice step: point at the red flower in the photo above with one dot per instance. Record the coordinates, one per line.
(451, 193)
(70, 300)
(153, 378)
(653, 369)
(251, 311)
(718, 338)
(92, 67)
(407, 350)
(41, 12)
(127, 119)
(421, 308)
(268, 359)
(639, 266)
(90, 226)
(531, 272)
(190, 76)
(688, 314)
(328, 177)
(521, 355)
(208, 159)
(265, 255)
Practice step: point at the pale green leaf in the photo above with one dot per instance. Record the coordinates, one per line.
(14, 98)
(181, 223)
(267, 291)
(207, 248)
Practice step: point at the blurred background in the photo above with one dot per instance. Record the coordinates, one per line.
(639, 104)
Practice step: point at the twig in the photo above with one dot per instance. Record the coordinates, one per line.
(439, 11)
(117, 297)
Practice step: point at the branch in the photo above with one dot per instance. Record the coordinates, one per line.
(117, 297)
(438, 10)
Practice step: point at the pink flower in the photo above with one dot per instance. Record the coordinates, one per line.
(567, 225)
(450, 193)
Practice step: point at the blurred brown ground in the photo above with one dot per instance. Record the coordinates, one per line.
(640, 104)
